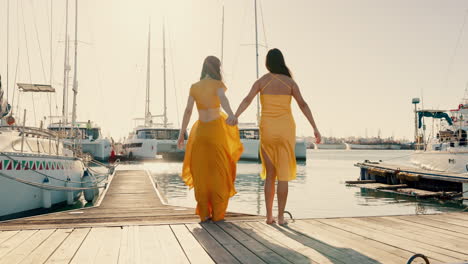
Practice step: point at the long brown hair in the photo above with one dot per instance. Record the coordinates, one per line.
(275, 63)
(212, 67)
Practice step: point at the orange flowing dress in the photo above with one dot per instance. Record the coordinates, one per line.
(278, 133)
(211, 155)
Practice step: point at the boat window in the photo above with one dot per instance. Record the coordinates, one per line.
(161, 134)
(249, 134)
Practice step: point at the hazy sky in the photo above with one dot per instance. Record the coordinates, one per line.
(358, 63)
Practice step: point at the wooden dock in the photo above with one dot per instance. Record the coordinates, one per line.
(133, 225)
(412, 181)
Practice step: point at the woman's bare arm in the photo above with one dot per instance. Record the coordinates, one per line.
(224, 102)
(248, 99)
(306, 111)
(185, 121)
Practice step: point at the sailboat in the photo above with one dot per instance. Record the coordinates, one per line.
(153, 139)
(36, 170)
(249, 132)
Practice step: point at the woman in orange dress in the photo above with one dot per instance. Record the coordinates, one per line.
(213, 147)
(277, 129)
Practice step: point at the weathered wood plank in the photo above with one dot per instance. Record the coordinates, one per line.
(69, 247)
(253, 245)
(5, 235)
(396, 241)
(447, 219)
(434, 223)
(272, 244)
(295, 246)
(193, 250)
(42, 253)
(171, 250)
(343, 239)
(243, 254)
(24, 249)
(15, 241)
(217, 252)
(100, 246)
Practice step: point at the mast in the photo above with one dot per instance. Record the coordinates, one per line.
(147, 102)
(66, 69)
(8, 46)
(222, 38)
(256, 59)
(164, 69)
(75, 82)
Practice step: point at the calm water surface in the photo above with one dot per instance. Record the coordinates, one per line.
(318, 191)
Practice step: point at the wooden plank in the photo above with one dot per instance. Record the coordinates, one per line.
(241, 253)
(434, 239)
(262, 251)
(125, 255)
(160, 241)
(343, 239)
(360, 182)
(109, 250)
(24, 249)
(14, 241)
(193, 250)
(447, 219)
(390, 239)
(217, 252)
(405, 224)
(42, 253)
(171, 250)
(434, 223)
(272, 244)
(69, 247)
(295, 246)
(5, 235)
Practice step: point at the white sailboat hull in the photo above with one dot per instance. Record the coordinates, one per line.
(252, 148)
(455, 162)
(16, 197)
(140, 148)
(374, 146)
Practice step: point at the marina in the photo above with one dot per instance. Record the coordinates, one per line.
(117, 231)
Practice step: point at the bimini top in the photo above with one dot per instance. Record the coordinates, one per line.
(36, 88)
(439, 114)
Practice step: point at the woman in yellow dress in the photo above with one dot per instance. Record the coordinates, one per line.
(213, 147)
(277, 129)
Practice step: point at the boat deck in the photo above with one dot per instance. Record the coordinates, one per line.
(133, 225)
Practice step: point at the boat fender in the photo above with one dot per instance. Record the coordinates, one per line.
(87, 182)
(70, 196)
(46, 195)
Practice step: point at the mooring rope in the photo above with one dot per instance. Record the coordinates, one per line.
(50, 187)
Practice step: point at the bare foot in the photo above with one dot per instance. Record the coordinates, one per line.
(270, 221)
(281, 221)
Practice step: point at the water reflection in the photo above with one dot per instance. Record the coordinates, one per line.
(318, 191)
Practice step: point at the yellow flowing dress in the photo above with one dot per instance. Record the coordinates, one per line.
(211, 155)
(278, 134)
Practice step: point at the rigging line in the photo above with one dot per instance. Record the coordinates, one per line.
(171, 46)
(29, 62)
(263, 25)
(50, 17)
(457, 44)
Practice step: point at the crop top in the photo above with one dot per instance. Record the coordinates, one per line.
(205, 93)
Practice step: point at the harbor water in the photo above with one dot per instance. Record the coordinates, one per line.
(318, 191)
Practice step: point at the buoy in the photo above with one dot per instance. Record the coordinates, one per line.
(87, 182)
(46, 195)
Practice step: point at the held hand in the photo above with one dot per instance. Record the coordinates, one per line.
(318, 137)
(180, 143)
(231, 120)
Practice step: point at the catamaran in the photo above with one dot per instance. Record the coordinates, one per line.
(87, 135)
(153, 139)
